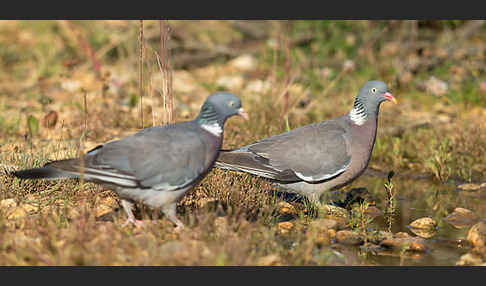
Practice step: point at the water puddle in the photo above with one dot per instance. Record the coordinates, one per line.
(454, 211)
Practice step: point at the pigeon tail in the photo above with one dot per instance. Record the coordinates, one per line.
(43, 173)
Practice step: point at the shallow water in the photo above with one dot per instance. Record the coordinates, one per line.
(424, 198)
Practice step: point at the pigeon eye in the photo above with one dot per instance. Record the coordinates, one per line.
(373, 90)
(231, 103)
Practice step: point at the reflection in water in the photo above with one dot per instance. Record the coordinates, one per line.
(417, 199)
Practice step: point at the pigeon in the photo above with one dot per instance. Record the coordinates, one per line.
(319, 157)
(155, 166)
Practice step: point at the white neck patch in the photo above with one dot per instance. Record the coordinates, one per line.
(213, 128)
(358, 115)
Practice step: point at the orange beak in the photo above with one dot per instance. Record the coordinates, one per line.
(390, 97)
(243, 113)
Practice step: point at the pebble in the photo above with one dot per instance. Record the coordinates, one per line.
(322, 230)
(471, 187)
(269, 260)
(285, 227)
(461, 218)
(348, 237)
(285, 208)
(424, 223)
(477, 234)
(469, 259)
(231, 82)
(7, 204)
(244, 63)
(409, 243)
(424, 227)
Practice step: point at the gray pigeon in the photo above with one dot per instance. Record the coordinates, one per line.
(155, 166)
(318, 157)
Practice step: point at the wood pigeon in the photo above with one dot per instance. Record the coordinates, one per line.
(155, 166)
(318, 157)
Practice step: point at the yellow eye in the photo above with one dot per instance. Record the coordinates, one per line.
(373, 90)
(231, 103)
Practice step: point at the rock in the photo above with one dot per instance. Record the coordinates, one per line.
(348, 237)
(244, 63)
(285, 227)
(7, 204)
(469, 259)
(105, 206)
(401, 235)
(258, 86)
(461, 218)
(380, 235)
(16, 213)
(405, 243)
(469, 187)
(436, 86)
(424, 223)
(322, 230)
(335, 211)
(424, 227)
(285, 208)
(30, 208)
(477, 234)
(269, 260)
(231, 82)
(324, 223)
(425, 233)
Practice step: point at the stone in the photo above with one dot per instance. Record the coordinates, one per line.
(477, 234)
(105, 206)
(7, 204)
(285, 208)
(380, 235)
(258, 86)
(16, 213)
(30, 208)
(461, 218)
(230, 82)
(424, 223)
(348, 237)
(244, 63)
(469, 259)
(424, 227)
(285, 227)
(269, 260)
(405, 243)
(469, 187)
(322, 231)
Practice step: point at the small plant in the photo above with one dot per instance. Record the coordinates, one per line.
(439, 162)
(391, 200)
(360, 220)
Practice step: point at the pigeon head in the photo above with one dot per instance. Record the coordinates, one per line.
(218, 107)
(368, 101)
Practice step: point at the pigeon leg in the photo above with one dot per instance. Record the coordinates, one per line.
(128, 207)
(170, 212)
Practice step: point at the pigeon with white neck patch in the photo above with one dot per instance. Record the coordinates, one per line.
(155, 166)
(318, 157)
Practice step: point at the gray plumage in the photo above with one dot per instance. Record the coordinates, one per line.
(318, 157)
(157, 165)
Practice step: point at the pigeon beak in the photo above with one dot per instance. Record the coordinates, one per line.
(243, 113)
(390, 97)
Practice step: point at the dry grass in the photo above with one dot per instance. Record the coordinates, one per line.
(231, 219)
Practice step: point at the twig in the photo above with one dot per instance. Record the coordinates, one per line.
(140, 72)
(165, 67)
